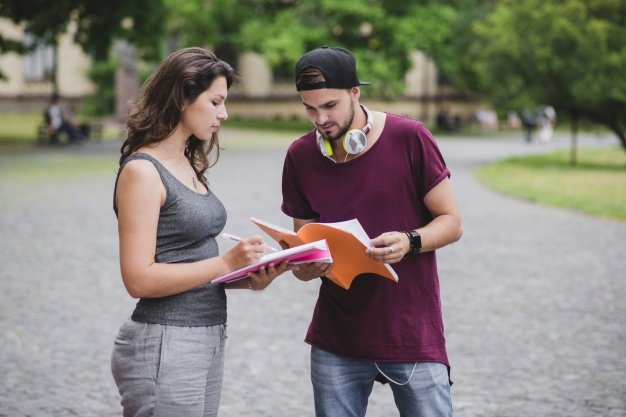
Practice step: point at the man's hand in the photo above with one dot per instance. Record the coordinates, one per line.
(390, 247)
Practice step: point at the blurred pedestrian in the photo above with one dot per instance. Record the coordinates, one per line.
(59, 122)
(546, 118)
(529, 123)
(487, 119)
(512, 120)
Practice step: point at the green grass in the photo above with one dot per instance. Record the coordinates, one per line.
(22, 128)
(19, 127)
(51, 165)
(596, 185)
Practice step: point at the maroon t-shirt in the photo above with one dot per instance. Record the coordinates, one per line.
(376, 319)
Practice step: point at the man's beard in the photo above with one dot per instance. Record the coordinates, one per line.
(343, 129)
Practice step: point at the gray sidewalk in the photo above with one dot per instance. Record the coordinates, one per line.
(533, 299)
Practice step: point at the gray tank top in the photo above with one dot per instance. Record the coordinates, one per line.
(188, 224)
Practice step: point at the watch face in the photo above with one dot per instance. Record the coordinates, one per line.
(416, 242)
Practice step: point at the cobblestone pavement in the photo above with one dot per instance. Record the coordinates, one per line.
(533, 299)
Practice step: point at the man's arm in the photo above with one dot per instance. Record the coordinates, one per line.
(445, 227)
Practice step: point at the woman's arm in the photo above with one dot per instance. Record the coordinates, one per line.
(140, 194)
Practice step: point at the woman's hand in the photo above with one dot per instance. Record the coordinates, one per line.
(245, 252)
(261, 279)
(307, 272)
(310, 271)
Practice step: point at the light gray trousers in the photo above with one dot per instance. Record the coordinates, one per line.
(165, 371)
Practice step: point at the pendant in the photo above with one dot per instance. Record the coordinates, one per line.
(195, 186)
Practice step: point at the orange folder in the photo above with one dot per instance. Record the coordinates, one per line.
(347, 242)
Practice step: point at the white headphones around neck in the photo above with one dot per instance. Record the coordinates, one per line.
(354, 141)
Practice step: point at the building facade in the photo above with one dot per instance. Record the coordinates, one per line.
(32, 77)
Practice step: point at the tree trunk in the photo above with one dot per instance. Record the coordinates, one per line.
(55, 68)
(619, 130)
(615, 124)
(621, 135)
(127, 81)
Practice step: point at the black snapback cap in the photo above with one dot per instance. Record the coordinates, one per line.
(337, 65)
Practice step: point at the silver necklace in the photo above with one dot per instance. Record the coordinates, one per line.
(193, 177)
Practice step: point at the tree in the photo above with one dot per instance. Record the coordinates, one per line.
(98, 23)
(381, 33)
(570, 54)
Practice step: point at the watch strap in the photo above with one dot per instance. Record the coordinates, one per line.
(415, 239)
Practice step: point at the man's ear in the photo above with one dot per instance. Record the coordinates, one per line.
(355, 92)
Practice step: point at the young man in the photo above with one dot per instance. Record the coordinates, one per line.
(386, 171)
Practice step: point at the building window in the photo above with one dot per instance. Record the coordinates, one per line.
(39, 62)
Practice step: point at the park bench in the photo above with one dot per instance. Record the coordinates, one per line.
(45, 134)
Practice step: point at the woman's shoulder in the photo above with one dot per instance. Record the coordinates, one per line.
(144, 156)
(143, 153)
(140, 167)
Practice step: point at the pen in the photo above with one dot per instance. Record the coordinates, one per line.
(237, 239)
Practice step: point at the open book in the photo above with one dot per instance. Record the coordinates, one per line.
(312, 252)
(347, 242)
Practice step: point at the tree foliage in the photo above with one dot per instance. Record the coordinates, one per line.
(381, 33)
(570, 54)
(98, 23)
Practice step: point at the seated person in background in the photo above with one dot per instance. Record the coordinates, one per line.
(58, 123)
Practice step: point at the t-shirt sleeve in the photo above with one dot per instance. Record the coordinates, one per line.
(295, 204)
(431, 166)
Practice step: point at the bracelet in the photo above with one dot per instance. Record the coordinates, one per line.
(411, 248)
(250, 287)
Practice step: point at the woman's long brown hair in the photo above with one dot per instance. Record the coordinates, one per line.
(177, 81)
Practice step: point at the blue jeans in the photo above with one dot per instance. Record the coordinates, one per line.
(342, 386)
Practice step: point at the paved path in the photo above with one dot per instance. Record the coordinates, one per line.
(533, 300)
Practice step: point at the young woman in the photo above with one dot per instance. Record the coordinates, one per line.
(168, 358)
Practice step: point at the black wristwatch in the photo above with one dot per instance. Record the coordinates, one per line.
(416, 242)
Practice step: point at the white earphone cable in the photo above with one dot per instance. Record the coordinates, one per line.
(393, 380)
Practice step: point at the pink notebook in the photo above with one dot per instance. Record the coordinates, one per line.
(311, 252)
